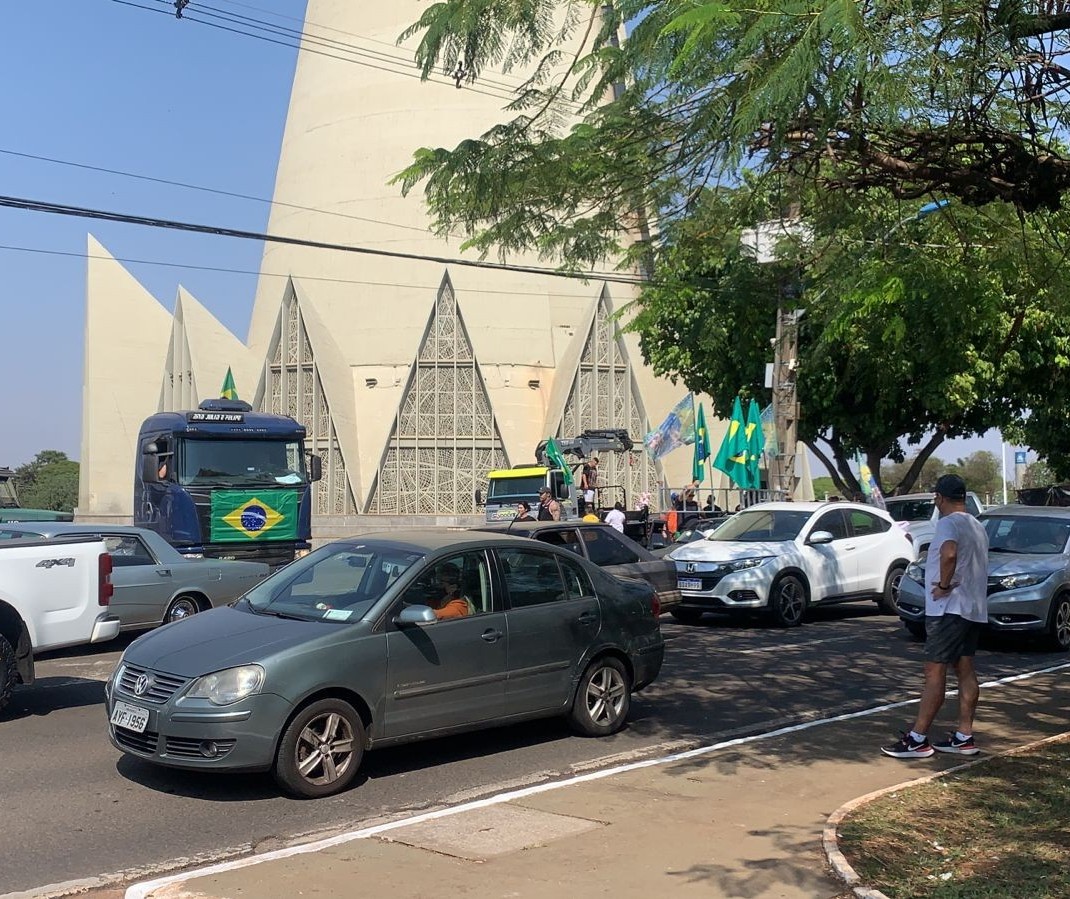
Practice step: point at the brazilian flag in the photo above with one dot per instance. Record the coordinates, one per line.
(242, 515)
(228, 391)
(732, 456)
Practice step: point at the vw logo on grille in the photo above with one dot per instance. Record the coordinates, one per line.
(143, 684)
(692, 567)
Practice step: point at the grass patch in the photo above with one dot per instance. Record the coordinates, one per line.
(999, 830)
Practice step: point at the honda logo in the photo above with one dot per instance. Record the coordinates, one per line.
(692, 567)
(143, 684)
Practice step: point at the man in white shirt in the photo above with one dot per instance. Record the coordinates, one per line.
(956, 608)
(615, 517)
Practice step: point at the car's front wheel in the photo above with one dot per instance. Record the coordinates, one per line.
(1059, 625)
(321, 749)
(787, 601)
(603, 698)
(889, 600)
(8, 671)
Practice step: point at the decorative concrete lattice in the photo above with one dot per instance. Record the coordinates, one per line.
(294, 388)
(604, 395)
(444, 439)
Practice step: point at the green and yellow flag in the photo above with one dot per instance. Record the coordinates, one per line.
(553, 453)
(702, 447)
(755, 444)
(228, 391)
(731, 458)
(242, 515)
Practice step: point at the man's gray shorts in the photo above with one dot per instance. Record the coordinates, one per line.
(950, 637)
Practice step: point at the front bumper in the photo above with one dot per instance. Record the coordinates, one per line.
(1022, 610)
(735, 591)
(239, 737)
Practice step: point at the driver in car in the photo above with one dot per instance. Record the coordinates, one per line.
(452, 603)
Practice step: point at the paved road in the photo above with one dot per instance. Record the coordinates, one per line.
(74, 808)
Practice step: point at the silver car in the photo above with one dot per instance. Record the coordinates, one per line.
(356, 646)
(154, 583)
(1028, 575)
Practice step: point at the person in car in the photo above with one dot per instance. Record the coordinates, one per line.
(452, 603)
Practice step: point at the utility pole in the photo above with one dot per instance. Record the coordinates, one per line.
(782, 474)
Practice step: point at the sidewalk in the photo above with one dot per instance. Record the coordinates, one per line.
(741, 821)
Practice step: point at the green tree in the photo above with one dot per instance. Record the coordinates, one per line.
(982, 472)
(1040, 474)
(894, 475)
(50, 481)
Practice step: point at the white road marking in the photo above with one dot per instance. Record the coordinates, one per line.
(144, 890)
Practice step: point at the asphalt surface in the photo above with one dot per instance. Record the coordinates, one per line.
(74, 808)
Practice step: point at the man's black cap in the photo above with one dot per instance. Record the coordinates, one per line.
(951, 486)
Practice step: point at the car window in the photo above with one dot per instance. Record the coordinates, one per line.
(531, 578)
(863, 524)
(762, 524)
(605, 548)
(911, 509)
(577, 581)
(1033, 536)
(833, 522)
(127, 551)
(971, 504)
(468, 571)
(565, 537)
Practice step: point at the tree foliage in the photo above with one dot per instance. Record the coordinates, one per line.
(50, 481)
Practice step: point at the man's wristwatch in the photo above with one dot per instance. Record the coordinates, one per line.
(944, 586)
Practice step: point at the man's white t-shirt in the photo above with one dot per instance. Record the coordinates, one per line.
(615, 519)
(969, 584)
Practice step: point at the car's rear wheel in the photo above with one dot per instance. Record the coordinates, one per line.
(916, 629)
(687, 616)
(889, 601)
(8, 671)
(603, 698)
(321, 749)
(787, 601)
(182, 607)
(1059, 623)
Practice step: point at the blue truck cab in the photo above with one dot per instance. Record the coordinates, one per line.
(225, 482)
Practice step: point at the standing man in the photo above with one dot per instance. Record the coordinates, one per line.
(616, 517)
(588, 486)
(549, 508)
(956, 608)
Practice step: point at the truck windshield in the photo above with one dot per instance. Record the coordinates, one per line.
(514, 488)
(8, 500)
(230, 463)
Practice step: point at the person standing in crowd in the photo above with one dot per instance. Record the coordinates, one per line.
(615, 517)
(549, 508)
(588, 485)
(523, 512)
(956, 608)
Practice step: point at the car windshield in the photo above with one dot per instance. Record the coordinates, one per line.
(499, 489)
(910, 509)
(240, 462)
(1029, 535)
(8, 500)
(334, 583)
(762, 525)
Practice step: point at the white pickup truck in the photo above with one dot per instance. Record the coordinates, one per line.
(53, 593)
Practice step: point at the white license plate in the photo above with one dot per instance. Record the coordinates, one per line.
(689, 583)
(130, 717)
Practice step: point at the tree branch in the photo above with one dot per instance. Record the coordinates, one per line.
(912, 473)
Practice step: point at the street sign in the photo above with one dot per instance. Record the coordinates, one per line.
(1019, 457)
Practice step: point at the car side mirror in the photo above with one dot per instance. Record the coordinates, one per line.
(818, 538)
(421, 616)
(150, 466)
(479, 497)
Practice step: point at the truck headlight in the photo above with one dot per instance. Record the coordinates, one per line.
(228, 686)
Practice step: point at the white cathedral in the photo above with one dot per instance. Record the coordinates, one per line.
(413, 378)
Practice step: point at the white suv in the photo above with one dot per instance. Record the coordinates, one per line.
(916, 514)
(781, 558)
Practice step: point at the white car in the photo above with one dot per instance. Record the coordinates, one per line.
(781, 558)
(916, 514)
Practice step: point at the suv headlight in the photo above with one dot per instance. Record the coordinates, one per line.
(916, 573)
(228, 686)
(744, 564)
(1014, 581)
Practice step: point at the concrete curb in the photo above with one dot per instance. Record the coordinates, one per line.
(829, 840)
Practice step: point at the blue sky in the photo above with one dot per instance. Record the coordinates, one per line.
(107, 85)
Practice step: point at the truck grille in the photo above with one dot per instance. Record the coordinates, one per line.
(161, 688)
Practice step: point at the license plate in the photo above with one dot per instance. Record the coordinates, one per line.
(689, 583)
(130, 717)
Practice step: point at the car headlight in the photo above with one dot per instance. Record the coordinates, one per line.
(744, 564)
(1014, 581)
(228, 686)
(916, 573)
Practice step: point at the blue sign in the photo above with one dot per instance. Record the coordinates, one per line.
(1019, 457)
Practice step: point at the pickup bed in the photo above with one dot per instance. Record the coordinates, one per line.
(53, 593)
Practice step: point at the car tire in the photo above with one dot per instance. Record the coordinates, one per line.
(8, 671)
(787, 601)
(329, 724)
(603, 698)
(181, 607)
(916, 629)
(888, 603)
(686, 616)
(1059, 623)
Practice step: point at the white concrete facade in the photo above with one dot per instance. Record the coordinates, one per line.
(413, 377)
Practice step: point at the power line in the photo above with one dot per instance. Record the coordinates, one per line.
(210, 190)
(42, 251)
(221, 231)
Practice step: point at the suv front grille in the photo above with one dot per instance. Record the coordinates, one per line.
(162, 686)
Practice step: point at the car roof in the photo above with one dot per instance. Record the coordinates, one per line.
(813, 506)
(49, 528)
(902, 496)
(528, 526)
(426, 539)
(1030, 511)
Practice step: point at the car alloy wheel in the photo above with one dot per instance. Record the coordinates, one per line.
(603, 698)
(321, 749)
(788, 601)
(1059, 632)
(889, 601)
(183, 607)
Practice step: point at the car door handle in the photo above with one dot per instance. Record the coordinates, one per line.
(163, 572)
(588, 618)
(491, 636)
(850, 547)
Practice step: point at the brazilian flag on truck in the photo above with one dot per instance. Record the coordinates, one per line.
(241, 515)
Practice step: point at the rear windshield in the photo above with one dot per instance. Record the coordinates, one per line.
(910, 509)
